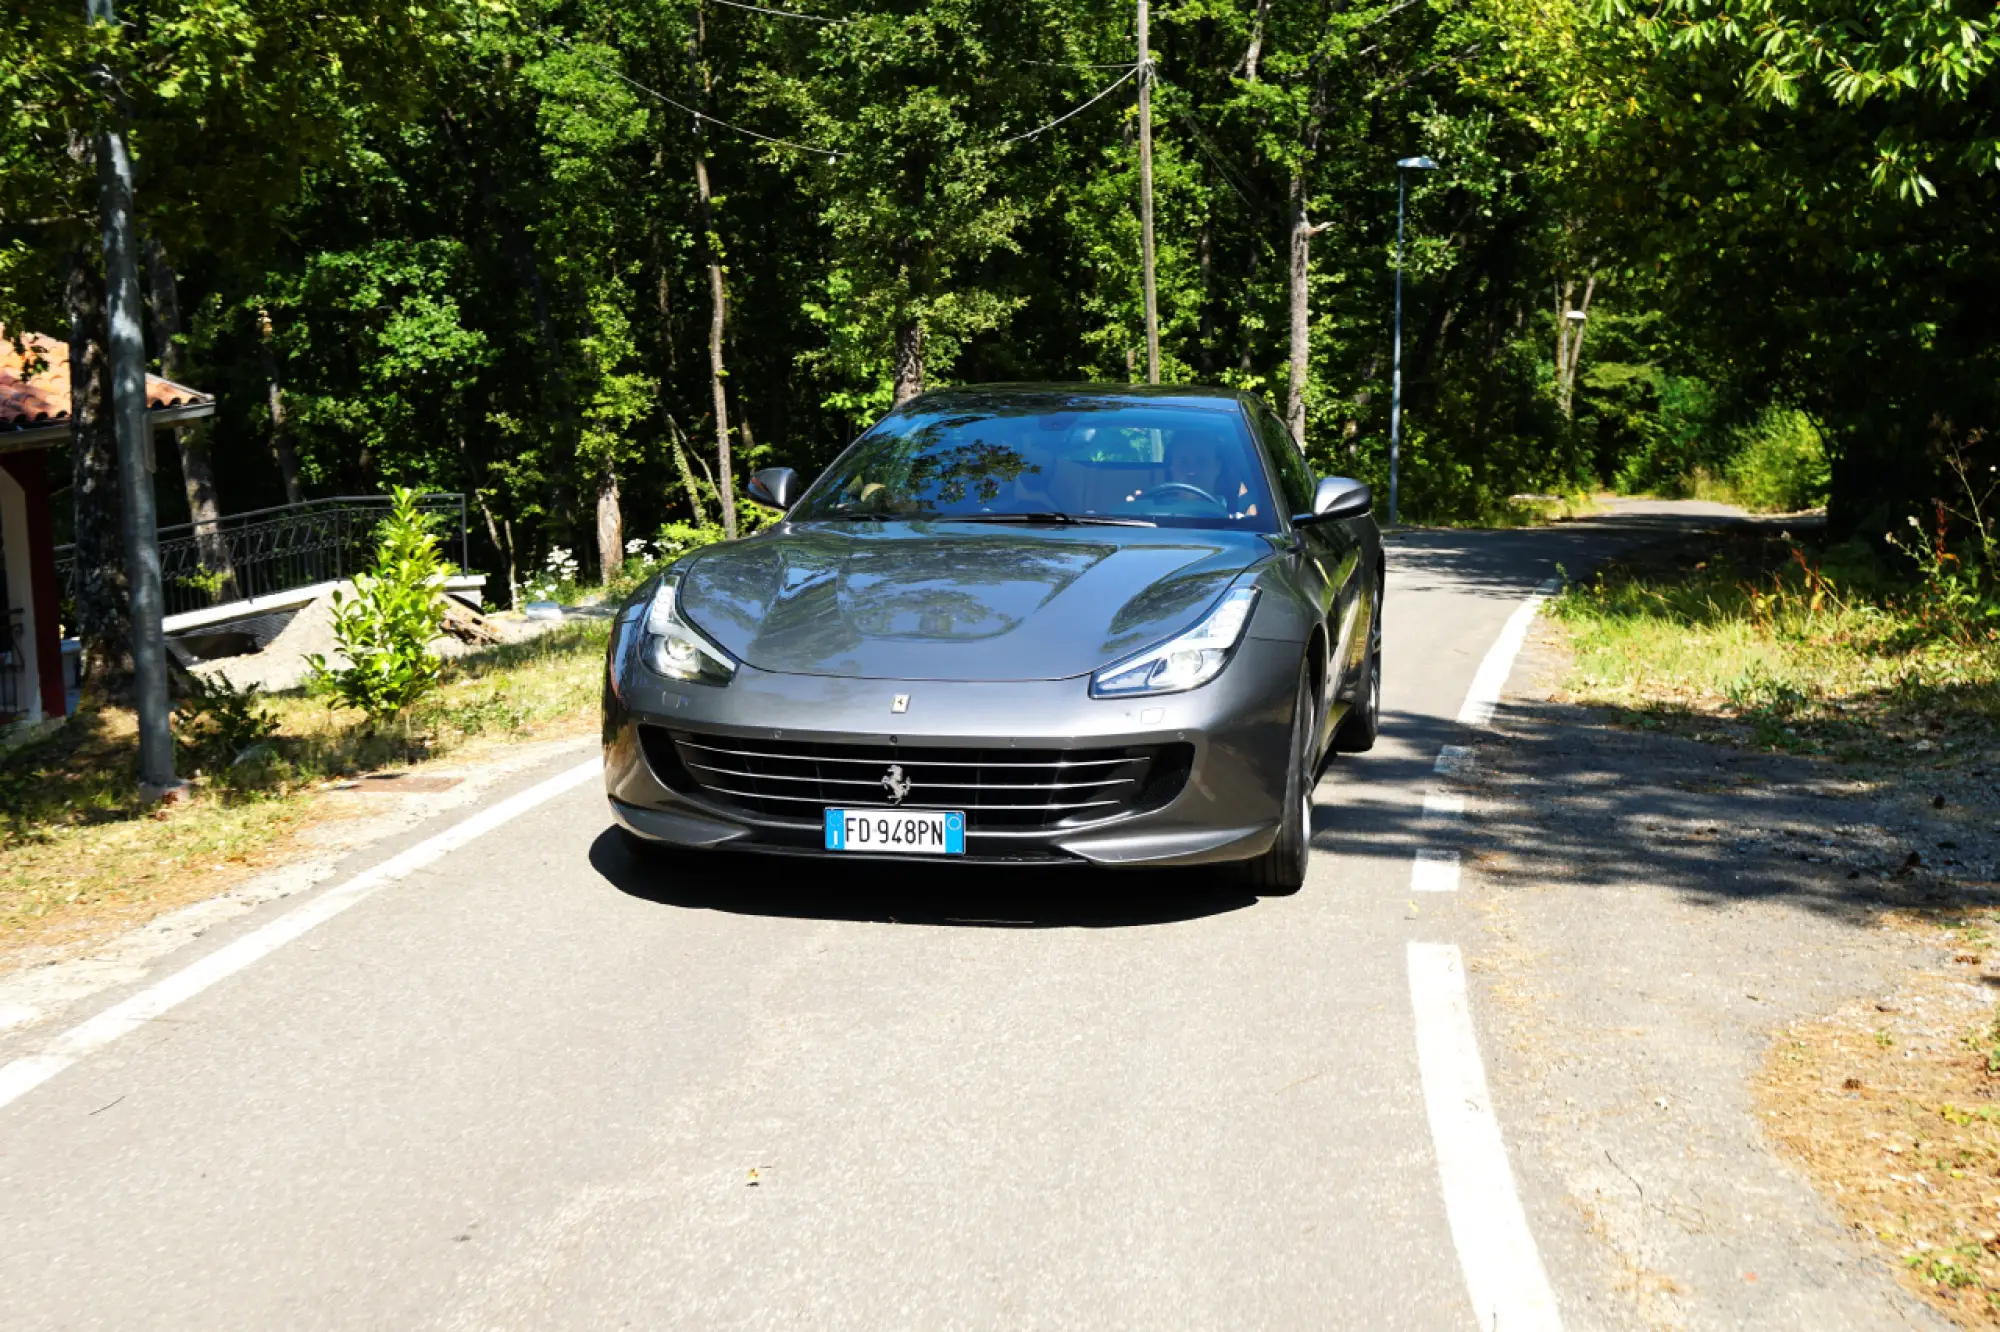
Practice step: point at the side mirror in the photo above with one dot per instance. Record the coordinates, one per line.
(1337, 497)
(776, 486)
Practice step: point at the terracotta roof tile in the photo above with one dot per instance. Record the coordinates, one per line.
(34, 388)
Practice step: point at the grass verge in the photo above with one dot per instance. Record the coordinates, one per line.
(81, 856)
(1752, 638)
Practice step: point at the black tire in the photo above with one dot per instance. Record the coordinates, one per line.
(1362, 725)
(1281, 871)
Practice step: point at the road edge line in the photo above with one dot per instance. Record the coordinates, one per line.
(23, 1075)
(1491, 679)
(1489, 1227)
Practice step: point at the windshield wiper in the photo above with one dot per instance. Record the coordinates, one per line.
(1051, 518)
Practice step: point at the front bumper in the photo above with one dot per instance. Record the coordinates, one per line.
(1227, 809)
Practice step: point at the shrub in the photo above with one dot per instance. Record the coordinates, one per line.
(219, 724)
(387, 627)
(557, 580)
(1780, 463)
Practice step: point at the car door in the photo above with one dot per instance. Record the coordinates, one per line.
(1330, 553)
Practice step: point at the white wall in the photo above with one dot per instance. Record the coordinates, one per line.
(20, 590)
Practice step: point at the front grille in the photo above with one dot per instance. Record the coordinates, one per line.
(999, 789)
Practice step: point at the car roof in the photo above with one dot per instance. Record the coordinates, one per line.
(1167, 395)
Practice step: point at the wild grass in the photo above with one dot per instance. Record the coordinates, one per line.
(1512, 511)
(1759, 639)
(80, 853)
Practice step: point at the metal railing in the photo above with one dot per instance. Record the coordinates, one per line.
(13, 664)
(266, 551)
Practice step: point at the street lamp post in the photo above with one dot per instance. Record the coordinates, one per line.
(1403, 168)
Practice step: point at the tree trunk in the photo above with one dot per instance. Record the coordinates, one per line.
(1301, 310)
(197, 468)
(103, 595)
(718, 300)
(1562, 290)
(663, 288)
(1569, 340)
(1246, 354)
(909, 360)
(505, 549)
(513, 566)
(281, 436)
(1147, 276)
(1204, 249)
(1350, 433)
(696, 508)
(610, 527)
(1255, 51)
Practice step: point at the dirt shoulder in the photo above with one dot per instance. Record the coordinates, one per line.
(83, 858)
(1659, 914)
(41, 980)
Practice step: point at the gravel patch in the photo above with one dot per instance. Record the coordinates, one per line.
(283, 662)
(1656, 912)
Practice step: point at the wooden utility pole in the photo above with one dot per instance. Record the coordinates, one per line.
(125, 316)
(1146, 198)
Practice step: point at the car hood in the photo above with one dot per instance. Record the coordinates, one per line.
(956, 601)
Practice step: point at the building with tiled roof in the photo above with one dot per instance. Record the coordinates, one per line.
(34, 395)
(35, 416)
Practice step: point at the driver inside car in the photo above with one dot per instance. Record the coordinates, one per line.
(1194, 460)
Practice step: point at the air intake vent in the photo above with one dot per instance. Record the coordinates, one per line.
(1000, 789)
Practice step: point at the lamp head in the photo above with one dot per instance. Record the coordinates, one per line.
(1417, 164)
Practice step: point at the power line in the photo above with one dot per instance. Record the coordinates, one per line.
(794, 14)
(1208, 148)
(827, 153)
(1106, 92)
(1252, 197)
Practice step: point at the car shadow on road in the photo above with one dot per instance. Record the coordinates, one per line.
(933, 893)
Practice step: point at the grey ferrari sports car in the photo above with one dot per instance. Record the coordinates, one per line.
(1021, 623)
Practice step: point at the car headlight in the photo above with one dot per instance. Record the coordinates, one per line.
(676, 649)
(1194, 658)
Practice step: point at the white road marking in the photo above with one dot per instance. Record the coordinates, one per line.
(1443, 807)
(1453, 761)
(1496, 1251)
(1434, 871)
(25, 1074)
(1484, 696)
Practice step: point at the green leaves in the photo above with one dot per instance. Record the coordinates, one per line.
(385, 630)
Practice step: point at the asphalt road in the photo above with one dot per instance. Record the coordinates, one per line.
(528, 1086)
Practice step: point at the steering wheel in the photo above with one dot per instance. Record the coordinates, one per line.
(1185, 488)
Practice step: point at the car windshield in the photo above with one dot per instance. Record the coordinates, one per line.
(1171, 465)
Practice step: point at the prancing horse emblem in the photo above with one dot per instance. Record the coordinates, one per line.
(900, 703)
(895, 783)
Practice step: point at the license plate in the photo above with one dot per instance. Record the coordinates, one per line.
(922, 832)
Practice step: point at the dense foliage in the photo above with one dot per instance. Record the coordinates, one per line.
(486, 245)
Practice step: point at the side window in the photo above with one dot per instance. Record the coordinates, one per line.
(1295, 479)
